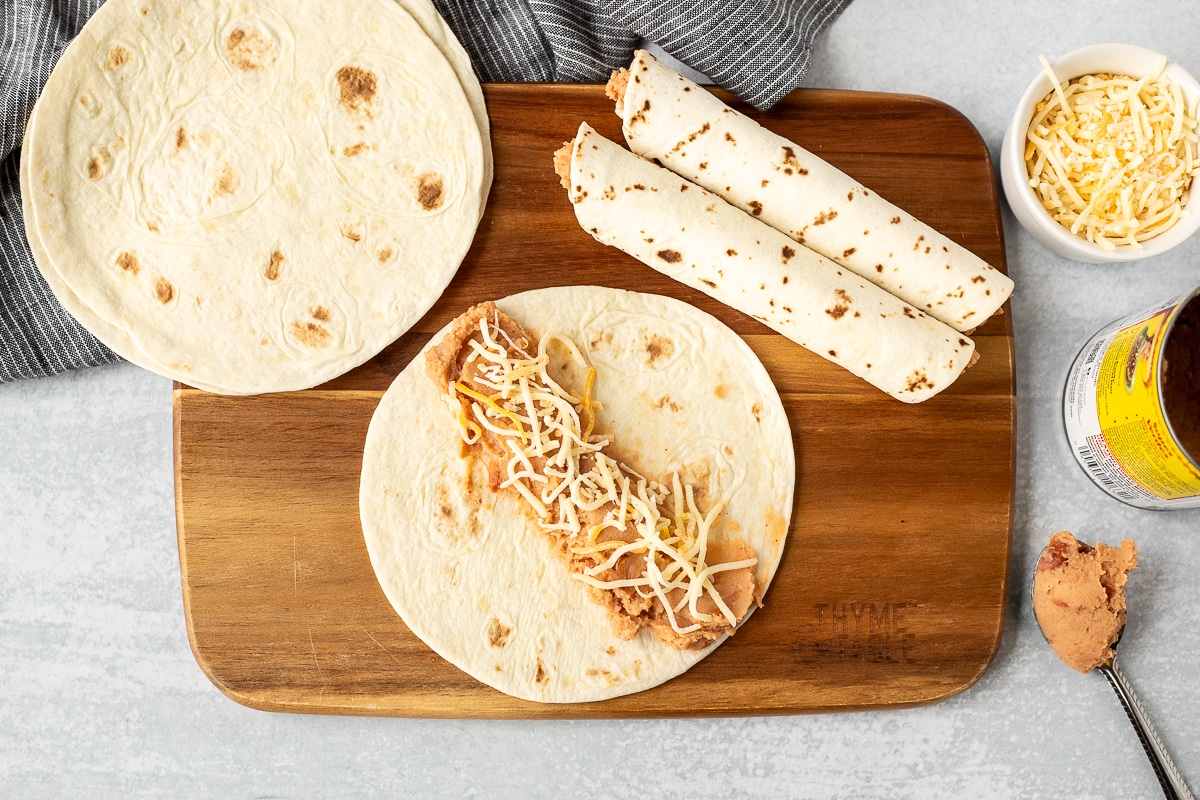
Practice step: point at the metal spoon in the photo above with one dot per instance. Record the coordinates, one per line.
(1164, 768)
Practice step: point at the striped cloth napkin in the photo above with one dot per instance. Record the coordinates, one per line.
(758, 49)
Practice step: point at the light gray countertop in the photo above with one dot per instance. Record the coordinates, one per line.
(100, 695)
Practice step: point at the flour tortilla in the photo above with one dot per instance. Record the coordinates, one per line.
(698, 239)
(362, 255)
(668, 118)
(469, 571)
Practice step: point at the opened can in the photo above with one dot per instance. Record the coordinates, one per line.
(1131, 407)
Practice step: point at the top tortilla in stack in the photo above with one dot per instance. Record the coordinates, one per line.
(254, 198)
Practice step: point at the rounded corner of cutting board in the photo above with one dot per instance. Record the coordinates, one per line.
(236, 457)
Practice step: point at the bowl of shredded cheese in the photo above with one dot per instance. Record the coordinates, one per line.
(1099, 159)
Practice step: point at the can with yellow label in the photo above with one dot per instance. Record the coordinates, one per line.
(1131, 407)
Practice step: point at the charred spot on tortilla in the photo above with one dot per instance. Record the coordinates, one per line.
(128, 262)
(908, 312)
(658, 348)
(356, 89)
(430, 192)
(498, 633)
(670, 256)
(879, 267)
(833, 353)
(249, 51)
(849, 251)
(785, 278)
(756, 208)
(787, 253)
(227, 183)
(97, 163)
(274, 266)
(825, 216)
(708, 283)
(164, 291)
(918, 380)
(731, 252)
(118, 56)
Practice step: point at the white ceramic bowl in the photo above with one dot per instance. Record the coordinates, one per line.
(1120, 59)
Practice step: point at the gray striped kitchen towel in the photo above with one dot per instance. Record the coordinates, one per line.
(758, 49)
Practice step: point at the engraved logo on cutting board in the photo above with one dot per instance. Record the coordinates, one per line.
(860, 632)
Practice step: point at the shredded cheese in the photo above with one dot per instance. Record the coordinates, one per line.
(1112, 158)
(559, 462)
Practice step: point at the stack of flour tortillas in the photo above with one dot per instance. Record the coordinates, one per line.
(762, 225)
(253, 197)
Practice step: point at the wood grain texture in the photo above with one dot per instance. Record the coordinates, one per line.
(892, 586)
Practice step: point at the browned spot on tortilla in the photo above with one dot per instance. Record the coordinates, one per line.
(498, 633)
(181, 138)
(540, 676)
(895, 220)
(785, 279)
(670, 256)
(128, 262)
(152, 226)
(918, 380)
(352, 232)
(384, 255)
(356, 87)
(788, 253)
(879, 267)
(850, 196)
(757, 410)
(789, 157)
(666, 402)
(118, 56)
(731, 252)
(703, 165)
(639, 187)
(765, 182)
(354, 149)
(95, 167)
(708, 283)
(310, 334)
(849, 251)
(143, 11)
(977, 279)
(755, 208)
(720, 390)
(164, 291)
(429, 191)
(274, 266)
(825, 216)
(610, 650)
(837, 312)
(833, 353)
(729, 138)
(683, 187)
(658, 348)
(320, 314)
(227, 182)
(249, 51)
(908, 312)
(962, 342)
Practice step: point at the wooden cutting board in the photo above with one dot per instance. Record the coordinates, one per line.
(891, 590)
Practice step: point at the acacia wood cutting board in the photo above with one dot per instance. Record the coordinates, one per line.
(892, 586)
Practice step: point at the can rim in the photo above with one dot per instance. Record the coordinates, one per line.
(1168, 329)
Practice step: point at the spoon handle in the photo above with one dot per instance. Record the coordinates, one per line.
(1168, 776)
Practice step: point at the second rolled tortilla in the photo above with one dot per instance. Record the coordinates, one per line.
(695, 237)
(668, 118)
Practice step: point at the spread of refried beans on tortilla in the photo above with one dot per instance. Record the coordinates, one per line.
(642, 547)
(1079, 598)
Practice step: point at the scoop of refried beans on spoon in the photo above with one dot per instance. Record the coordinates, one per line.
(1079, 603)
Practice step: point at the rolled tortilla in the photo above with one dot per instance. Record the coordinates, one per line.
(685, 128)
(698, 239)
